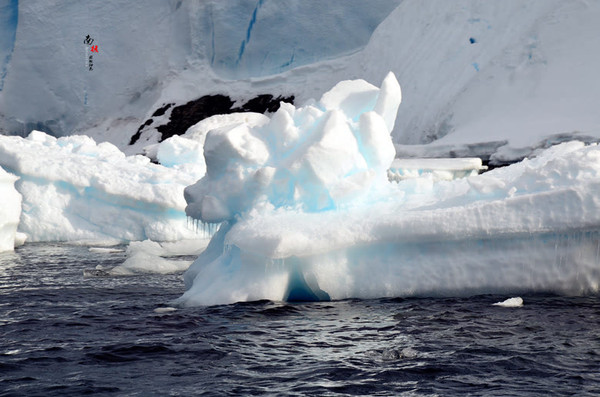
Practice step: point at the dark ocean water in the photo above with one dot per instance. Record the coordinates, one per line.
(63, 334)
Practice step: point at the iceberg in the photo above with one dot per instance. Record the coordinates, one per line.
(10, 210)
(79, 191)
(305, 211)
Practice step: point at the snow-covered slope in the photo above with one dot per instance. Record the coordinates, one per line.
(145, 47)
(479, 77)
(8, 28)
(521, 74)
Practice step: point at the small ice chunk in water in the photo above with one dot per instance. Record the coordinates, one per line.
(511, 302)
(164, 309)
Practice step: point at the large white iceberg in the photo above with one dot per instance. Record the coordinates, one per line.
(10, 210)
(306, 212)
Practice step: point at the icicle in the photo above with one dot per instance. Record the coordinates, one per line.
(208, 229)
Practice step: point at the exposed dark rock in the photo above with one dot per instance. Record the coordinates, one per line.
(161, 111)
(137, 135)
(263, 103)
(184, 116)
(494, 164)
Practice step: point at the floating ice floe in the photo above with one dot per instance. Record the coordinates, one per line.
(306, 212)
(150, 257)
(154, 257)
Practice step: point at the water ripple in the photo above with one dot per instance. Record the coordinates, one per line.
(63, 334)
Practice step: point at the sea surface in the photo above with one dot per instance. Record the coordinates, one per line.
(63, 334)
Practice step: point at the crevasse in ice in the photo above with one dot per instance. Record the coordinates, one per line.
(307, 213)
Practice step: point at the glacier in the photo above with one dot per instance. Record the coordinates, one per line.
(534, 83)
(148, 51)
(306, 212)
(9, 16)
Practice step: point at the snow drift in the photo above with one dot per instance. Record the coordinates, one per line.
(307, 213)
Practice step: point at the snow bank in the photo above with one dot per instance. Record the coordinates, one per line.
(304, 213)
(10, 210)
(478, 72)
(76, 190)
